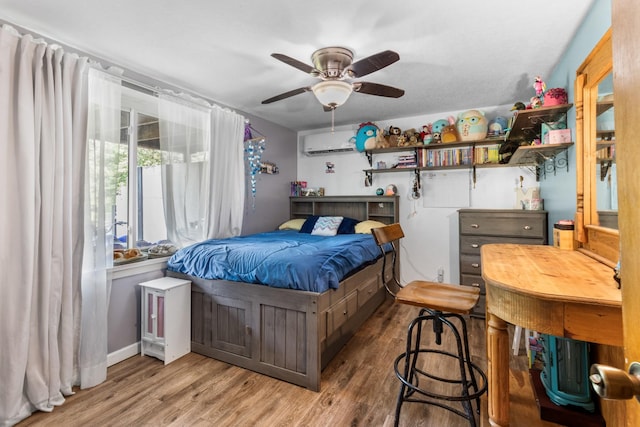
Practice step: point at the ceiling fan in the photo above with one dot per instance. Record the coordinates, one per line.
(333, 65)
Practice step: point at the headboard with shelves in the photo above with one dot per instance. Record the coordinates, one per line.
(379, 208)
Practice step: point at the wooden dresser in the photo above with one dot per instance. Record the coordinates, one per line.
(481, 226)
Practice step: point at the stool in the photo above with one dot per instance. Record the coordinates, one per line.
(440, 304)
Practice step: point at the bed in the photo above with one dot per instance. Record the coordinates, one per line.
(286, 333)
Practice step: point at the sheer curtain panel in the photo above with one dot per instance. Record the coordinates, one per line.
(203, 170)
(43, 104)
(103, 138)
(184, 142)
(227, 174)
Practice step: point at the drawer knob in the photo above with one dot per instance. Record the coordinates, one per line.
(527, 227)
(475, 226)
(475, 245)
(475, 265)
(475, 285)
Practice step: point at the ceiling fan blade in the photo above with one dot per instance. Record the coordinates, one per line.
(373, 63)
(295, 63)
(377, 89)
(286, 95)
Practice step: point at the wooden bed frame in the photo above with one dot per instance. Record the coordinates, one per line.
(288, 334)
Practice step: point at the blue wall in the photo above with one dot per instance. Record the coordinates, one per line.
(559, 191)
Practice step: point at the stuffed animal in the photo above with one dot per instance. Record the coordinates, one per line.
(437, 127)
(449, 132)
(366, 136)
(534, 102)
(472, 125)
(394, 136)
(497, 126)
(426, 136)
(411, 136)
(381, 141)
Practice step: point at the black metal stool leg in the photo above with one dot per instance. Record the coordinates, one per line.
(410, 373)
(467, 356)
(413, 348)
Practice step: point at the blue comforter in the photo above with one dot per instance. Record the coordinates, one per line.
(282, 259)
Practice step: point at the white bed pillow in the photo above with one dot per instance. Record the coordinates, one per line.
(327, 226)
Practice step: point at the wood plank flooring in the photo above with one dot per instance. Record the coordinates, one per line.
(359, 388)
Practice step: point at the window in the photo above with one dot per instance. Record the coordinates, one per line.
(138, 212)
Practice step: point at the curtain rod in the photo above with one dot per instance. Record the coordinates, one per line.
(197, 100)
(98, 63)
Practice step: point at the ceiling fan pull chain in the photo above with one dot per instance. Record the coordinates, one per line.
(333, 111)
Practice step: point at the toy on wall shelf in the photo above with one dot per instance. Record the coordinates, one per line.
(411, 137)
(497, 126)
(366, 136)
(518, 106)
(534, 102)
(426, 136)
(539, 86)
(436, 128)
(472, 125)
(395, 137)
(449, 132)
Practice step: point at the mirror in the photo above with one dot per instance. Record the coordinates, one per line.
(596, 184)
(606, 176)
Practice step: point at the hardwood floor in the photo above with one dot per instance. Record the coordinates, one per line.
(359, 388)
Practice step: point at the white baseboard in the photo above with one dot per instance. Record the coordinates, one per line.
(122, 354)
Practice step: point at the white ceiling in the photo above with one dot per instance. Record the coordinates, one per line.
(454, 54)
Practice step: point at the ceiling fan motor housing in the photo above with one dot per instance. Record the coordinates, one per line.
(332, 61)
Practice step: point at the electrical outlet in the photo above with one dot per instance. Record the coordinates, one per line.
(440, 275)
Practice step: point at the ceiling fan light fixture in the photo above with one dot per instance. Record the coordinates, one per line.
(332, 93)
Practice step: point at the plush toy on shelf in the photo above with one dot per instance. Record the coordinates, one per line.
(437, 127)
(426, 136)
(381, 141)
(497, 126)
(534, 102)
(394, 137)
(366, 136)
(411, 137)
(472, 125)
(449, 132)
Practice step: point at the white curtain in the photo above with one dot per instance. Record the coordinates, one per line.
(103, 138)
(203, 170)
(226, 197)
(42, 144)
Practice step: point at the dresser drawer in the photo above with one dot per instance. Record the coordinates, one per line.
(529, 224)
(470, 244)
(473, 280)
(479, 227)
(480, 308)
(470, 264)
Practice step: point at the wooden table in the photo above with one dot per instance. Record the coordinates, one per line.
(549, 290)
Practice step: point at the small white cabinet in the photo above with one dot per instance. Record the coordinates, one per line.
(166, 318)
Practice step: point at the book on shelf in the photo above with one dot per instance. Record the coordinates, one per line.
(407, 161)
(486, 154)
(446, 157)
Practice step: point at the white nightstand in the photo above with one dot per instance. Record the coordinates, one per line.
(166, 318)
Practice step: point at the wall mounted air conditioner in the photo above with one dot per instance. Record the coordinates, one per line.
(329, 143)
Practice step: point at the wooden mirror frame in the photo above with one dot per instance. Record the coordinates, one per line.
(598, 242)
